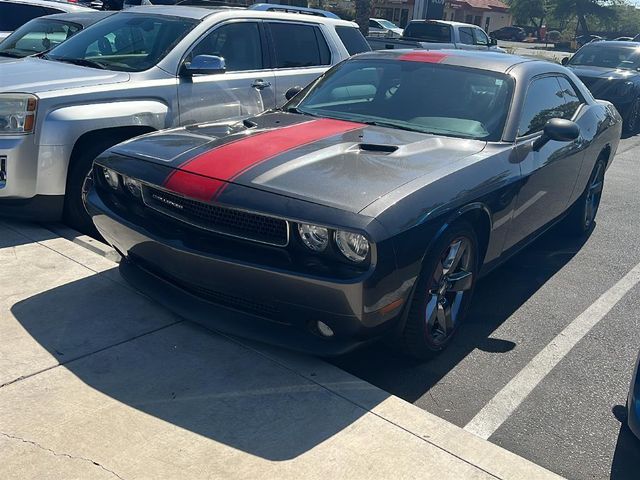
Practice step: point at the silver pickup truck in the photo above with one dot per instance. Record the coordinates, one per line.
(141, 70)
(437, 34)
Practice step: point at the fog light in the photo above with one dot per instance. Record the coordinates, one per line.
(111, 177)
(324, 329)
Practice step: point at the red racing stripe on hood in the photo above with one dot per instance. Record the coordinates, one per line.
(423, 56)
(205, 176)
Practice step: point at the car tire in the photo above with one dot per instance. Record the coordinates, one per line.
(632, 120)
(442, 294)
(582, 216)
(75, 215)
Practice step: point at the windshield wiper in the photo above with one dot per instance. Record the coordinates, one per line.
(378, 123)
(301, 112)
(83, 62)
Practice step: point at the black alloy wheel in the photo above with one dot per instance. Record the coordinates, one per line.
(443, 293)
(632, 122)
(581, 219)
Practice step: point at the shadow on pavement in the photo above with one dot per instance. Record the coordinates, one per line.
(626, 459)
(112, 340)
(497, 297)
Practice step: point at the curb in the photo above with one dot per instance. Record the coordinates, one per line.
(85, 241)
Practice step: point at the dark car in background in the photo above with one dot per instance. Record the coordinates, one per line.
(367, 206)
(610, 70)
(44, 33)
(582, 40)
(515, 34)
(15, 13)
(633, 402)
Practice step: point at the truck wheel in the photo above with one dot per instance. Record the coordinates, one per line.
(75, 215)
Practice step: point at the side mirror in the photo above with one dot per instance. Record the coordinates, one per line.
(565, 61)
(292, 92)
(204, 65)
(559, 130)
(493, 41)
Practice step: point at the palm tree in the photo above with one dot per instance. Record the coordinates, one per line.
(363, 11)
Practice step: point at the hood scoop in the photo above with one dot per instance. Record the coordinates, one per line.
(377, 148)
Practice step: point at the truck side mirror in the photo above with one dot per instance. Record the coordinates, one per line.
(204, 65)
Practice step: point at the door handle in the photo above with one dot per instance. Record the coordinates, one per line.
(260, 84)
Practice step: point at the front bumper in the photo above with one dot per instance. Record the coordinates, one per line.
(633, 402)
(256, 297)
(32, 178)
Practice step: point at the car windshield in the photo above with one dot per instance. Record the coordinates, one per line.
(418, 96)
(607, 56)
(126, 42)
(428, 32)
(387, 24)
(37, 36)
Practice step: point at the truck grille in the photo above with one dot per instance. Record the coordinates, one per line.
(218, 219)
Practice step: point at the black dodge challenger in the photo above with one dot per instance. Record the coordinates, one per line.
(367, 207)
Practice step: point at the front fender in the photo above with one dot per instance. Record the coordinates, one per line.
(63, 126)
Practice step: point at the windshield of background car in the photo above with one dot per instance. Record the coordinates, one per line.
(609, 57)
(126, 42)
(428, 32)
(37, 36)
(423, 97)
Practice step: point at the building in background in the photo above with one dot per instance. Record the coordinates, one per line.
(396, 11)
(488, 14)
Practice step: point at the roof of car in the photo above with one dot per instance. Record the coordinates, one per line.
(61, 5)
(608, 43)
(445, 22)
(199, 13)
(83, 18)
(493, 61)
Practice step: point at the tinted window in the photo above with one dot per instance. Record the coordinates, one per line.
(374, 24)
(466, 36)
(238, 43)
(299, 45)
(428, 32)
(425, 97)
(607, 56)
(126, 42)
(37, 36)
(14, 15)
(353, 40)
(543, 102)
(480, 37)
(572, 98)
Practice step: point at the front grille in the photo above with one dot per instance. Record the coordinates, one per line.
(215, 218)
(262, 309)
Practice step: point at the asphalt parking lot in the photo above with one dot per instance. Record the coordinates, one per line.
(570, 420)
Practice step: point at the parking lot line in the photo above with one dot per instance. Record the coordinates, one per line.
(507, 400)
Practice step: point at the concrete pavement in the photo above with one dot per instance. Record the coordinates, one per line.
(97, 381)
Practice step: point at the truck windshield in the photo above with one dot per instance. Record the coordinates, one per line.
(428, 32)
(413, 95)
(125, 42)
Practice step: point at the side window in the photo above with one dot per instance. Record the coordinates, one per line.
(298, 45)
(373, 24)
(543, 102)
(238, 43)
(572, 98)
(353, 40)
(466, 36)
(480, 37)
(14, 15)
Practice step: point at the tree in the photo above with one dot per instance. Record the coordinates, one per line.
(530, 12)
(582, 10)
(363, 11)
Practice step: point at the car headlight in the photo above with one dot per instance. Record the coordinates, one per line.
(354, 246)
(17, 113)
(111, 178)
(316, 238)
(133, 186)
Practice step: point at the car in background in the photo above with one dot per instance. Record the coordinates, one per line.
(366, 207)
(380, 27)
(15, 13)
(582, 40)
(611, 72)
(146, 69)
(44, 33)
(514, 34)
(633, 402)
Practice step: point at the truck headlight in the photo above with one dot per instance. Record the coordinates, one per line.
(352, 245)
(17, 113)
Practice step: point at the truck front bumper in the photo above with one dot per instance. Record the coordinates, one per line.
(32, 178)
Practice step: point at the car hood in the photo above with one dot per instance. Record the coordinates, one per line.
(603, 73)
(35, 75)
(329, 162)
